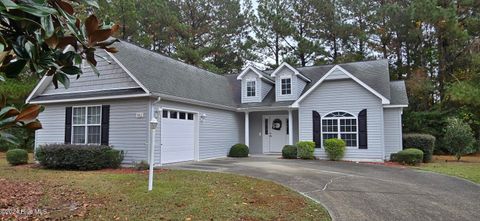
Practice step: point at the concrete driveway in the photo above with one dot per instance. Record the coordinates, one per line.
(355, 191)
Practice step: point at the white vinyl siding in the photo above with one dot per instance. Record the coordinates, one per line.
(112, 77)
(127, 132)
(349, 96)
(393, 130)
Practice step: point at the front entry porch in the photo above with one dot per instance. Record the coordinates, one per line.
(268, 131)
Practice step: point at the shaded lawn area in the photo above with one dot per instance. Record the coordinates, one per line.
(468, 167)
(177, 195)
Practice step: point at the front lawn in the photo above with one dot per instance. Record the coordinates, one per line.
(122, 195)
(468, 167)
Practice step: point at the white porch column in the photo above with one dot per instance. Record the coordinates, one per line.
(290, 127)
(247, 130)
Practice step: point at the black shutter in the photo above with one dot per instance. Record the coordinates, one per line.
(316, 129)
(362, 130)
(68, 125)
(105, 124)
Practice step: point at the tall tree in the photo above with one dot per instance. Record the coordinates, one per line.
(273, 28)
(210, 33)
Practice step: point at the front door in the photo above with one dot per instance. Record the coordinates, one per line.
(275, 134)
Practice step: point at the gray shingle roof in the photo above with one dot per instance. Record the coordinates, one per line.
(164, 75)
(398, 93)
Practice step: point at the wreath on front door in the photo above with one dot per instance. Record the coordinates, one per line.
(277, 124)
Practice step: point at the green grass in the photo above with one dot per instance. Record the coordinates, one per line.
(468, 168)
(177, 195)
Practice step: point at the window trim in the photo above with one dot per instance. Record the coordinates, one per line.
(254, 81)
(339, 132)
(281, 85)
(86, 124)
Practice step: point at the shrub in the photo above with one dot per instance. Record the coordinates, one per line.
(289, 152)
(305, 149)
(78, 157)
(115, 158)
(238, 150)
(335, 148)
(393, 157)
(410, 156)
(17, 157)
(142, 165)
(458, 138)
(424, 142)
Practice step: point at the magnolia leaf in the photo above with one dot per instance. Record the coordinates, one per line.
(65, 41)
(71, 70)
(100, 35)
(29, 113)
(111, 50)
(34, 125)
(47, 25)
(8, 112)
(7, 121)
(37, 10)
(13, 69)
(67, 7)
(9, 4)
(63, 78)
(91, 24)
(52, 42)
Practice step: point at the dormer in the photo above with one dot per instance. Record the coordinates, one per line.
(289, 82)
(255, 85)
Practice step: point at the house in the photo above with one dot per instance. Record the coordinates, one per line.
(203, 114)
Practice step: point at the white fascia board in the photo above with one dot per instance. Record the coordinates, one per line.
(337, 67)
(128, 72)
(90, 99)
(295, 71)
(42, 85)
(240, 76)
(395, 106)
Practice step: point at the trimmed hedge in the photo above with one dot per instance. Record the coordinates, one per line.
(335, 148)
(78, 157)
(17, 157)
(424, 142)
(289, 152)
(410, 156)
(305, 149)
(238, 150)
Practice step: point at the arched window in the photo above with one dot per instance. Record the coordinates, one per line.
(341, 125)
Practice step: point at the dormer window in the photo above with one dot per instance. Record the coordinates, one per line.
(286, 85)
(251, 84)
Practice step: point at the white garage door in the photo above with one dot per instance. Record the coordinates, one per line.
(178, 136)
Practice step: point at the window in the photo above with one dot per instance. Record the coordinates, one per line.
(189, 116)
(86, 127)
(340, 125)
(286, 85)
(165, 114)
(173, 114)
(182, 115)
(251, 88)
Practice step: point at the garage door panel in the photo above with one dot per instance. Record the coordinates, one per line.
(178, 140)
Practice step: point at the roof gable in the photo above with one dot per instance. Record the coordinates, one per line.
(249, 69)
(295, 71)
(334, 70)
